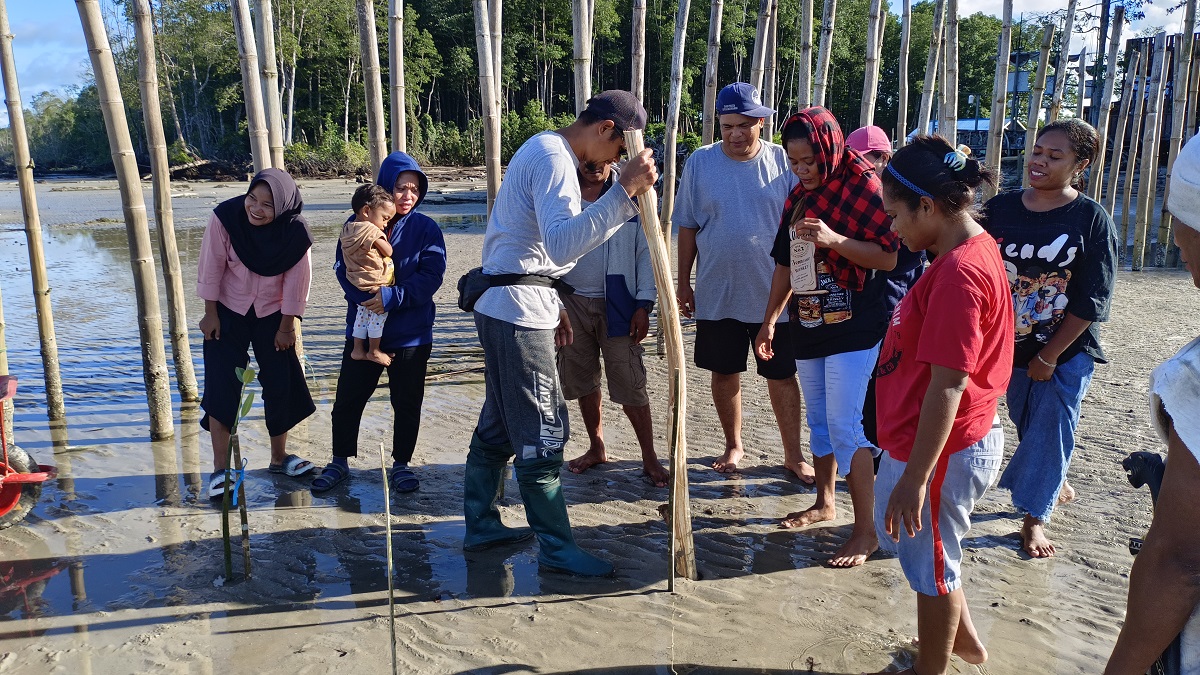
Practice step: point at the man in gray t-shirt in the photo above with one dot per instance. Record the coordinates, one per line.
(731, 195)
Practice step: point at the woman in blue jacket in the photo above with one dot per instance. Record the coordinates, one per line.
(419, 256)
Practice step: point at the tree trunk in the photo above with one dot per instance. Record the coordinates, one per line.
(166, 73)
(396, 75)
(1148, 181)
(715, 15)
(185, 374)
(672, 122)
(822, 77)
(33, 225)
(1060, 69)
(1036, 92)
(637, 80)
(804, 83)
(1128, 208)
(866, 113)
(769, 67)
(583, 53)
(995, 147)
(269, 79)
(1183, 66)
(931, 67)
(260, 151)
(1114, 165)
(368, 44)
(762, 33)
(141, 254)
(902, 103)
(487, 95)
(951, 96)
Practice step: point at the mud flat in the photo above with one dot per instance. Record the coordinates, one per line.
(118, 568)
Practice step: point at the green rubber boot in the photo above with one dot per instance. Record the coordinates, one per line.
(483, 477)
(546, 511)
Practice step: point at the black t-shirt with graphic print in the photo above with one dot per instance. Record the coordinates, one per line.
(1058, 261)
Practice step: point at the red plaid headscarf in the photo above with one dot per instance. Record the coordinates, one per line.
(849, 198)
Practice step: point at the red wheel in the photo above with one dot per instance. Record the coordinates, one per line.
(16, 499)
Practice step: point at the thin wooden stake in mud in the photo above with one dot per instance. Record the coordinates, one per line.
(235, 467)
(1151, 137)
(241, 497)
(387, 514)
(683, 551)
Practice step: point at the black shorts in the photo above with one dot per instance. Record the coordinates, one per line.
(721, 347)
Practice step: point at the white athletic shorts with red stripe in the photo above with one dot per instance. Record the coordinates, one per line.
(932, 559)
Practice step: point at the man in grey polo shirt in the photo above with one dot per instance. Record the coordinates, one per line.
(537, 228)
(730, 199)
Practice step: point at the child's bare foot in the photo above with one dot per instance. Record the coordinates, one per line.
(816, 514)
(1033, 538)
(1067, 494)
(804, 471)
(359, 353)
(378, 357)
(967, 646)
(654, 472)
(727, 463)
(596, 454)
(856, 550)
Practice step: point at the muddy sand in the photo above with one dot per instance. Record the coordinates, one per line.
(119, 567)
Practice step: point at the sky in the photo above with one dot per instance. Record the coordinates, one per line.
(51, 56)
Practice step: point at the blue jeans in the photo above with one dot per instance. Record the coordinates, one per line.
(1046, 415)
(834, 388)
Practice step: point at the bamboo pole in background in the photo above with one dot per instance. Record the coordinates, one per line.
(951, 70)
(581, 34)
(672, 127)
(715, 12)
(1060, 68)
(1151, 135)
(1036, 92)
(6, 406)
(133, 204)
(368, 45)
(821, 79)
(1128, 208)
(1123, 114)
(995, 146)
(761, 34)
(1096, 179)
(939, 101)
(260, 151)
(637, 51)
(33, 224)
(1082, 86)
(1193, 95)
(487, 94)
(770, 67)
(1183, 65)
(866, 111)
(264, 29)
(399, 103)
(905, 44)
(164, 216)
(683, 552)
(931, 67)
(804, 80)
(496, 28)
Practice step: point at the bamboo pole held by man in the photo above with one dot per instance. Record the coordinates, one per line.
(995, 146)
(264, 29)
(821, 81)
(715, 13)
(1179, 107)
(133, 204)
(1060, 68)
(368, 45)
(1036, 92)
(1096, 179)
(33, 224)
(1151, 135)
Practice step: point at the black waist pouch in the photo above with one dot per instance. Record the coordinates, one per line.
(473, 284)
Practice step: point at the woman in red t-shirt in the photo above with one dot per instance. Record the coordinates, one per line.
(945, 363)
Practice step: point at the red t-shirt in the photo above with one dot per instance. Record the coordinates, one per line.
(958, 315)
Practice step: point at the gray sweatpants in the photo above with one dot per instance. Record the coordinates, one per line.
(523, 404)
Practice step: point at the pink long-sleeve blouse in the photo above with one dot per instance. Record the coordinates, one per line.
(222, 277)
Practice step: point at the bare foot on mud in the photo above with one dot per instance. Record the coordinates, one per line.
(727, 463)
(803, 471)
(655, 473)
(595, 455)
(855, 551)
(815, 514)
(1033, 538)
(1067, 494)
(378, 357)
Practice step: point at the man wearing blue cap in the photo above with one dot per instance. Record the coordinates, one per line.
(730, 198)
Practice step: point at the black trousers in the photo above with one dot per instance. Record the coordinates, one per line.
(358, 380)
(285, 396)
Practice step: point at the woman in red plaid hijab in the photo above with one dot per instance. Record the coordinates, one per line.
(832, 237)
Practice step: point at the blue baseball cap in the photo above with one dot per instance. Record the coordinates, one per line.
(743, 99)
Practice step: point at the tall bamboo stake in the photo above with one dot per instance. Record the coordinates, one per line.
(1096, 179)
(368, 45)
(715, 13)
(1151, 136)
(672, 122)
(683, 553)
(905, 44)
(821, 81)
(995, 147)
(1123, 115)
(939, 105)
(866, 112)
(1128, 208)
(1060, 68)
(1183, 66)
(637, 51)
(399, 104)
(487, 94)
(769, 70)
(931, 66)
(33, 224)
(761, 34)
(1082, 86)
(133, 204)
(1193, 96)
(496, 28)
(1036, 92)
(951, 113)
(387, 515)
(804, 80)
(164, 216)
(264, 30)
(6, 406)
(260, 151)
(583, 53)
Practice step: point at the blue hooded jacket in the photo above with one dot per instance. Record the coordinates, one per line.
(419, 256)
